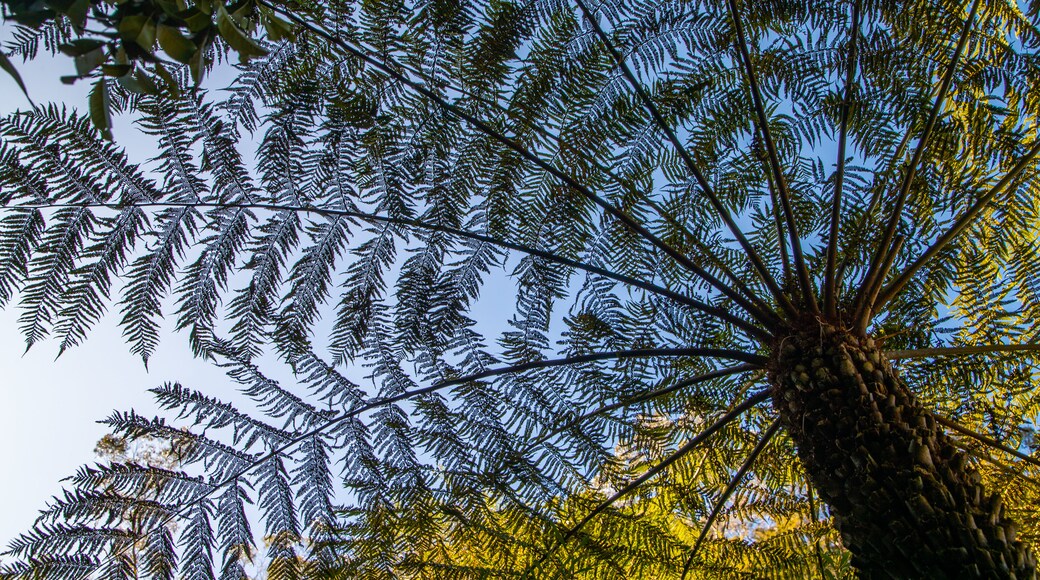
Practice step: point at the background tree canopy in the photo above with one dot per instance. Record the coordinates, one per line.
(537, 270)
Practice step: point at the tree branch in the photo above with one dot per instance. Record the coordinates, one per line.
(733, 483)
(652, 472)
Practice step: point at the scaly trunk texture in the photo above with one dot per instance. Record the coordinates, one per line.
(904, 499)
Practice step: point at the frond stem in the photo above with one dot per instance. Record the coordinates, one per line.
(649, 396)
(815, 518)
(722, 353)
(739, 284)
(525, 153)
(733, 483)
(875, 199)
(691, 165)
(608, 172)
(987, 441)
(961, 350)
(865, 309)
(808, 294)
(704, 307)
(281, 449)
(829, 284)
(999, 464)
(778, 223)
(881, 252)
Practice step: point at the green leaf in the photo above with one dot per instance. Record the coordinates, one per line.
(5, 63)
(205, 6)
(239, 41)
(278, 29)
(130, 27)
(59, 5)
(33, 18)
(170, 8)
(138, 29)
(243, 18)
(171, 83)
(77, 14)
(100, 108)
(139, 83)
(175, 44)
(81, 46)
(87, 62)
(146, 39)
(196, 19)
(116, 70)
(197, 64)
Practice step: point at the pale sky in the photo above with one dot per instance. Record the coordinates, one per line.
(48, 407)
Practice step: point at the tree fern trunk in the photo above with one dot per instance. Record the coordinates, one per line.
(905, 500)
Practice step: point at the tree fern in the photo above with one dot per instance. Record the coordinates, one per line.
(695, 209)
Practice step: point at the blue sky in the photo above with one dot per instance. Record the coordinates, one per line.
(48, 407)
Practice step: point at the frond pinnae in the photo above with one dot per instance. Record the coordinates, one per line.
(884, 247)
(691, 165)
(512, 144)
(767, 436)
(808, 293)
(679, 385)
(962, 222)
(746, 326)
(692, 444)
